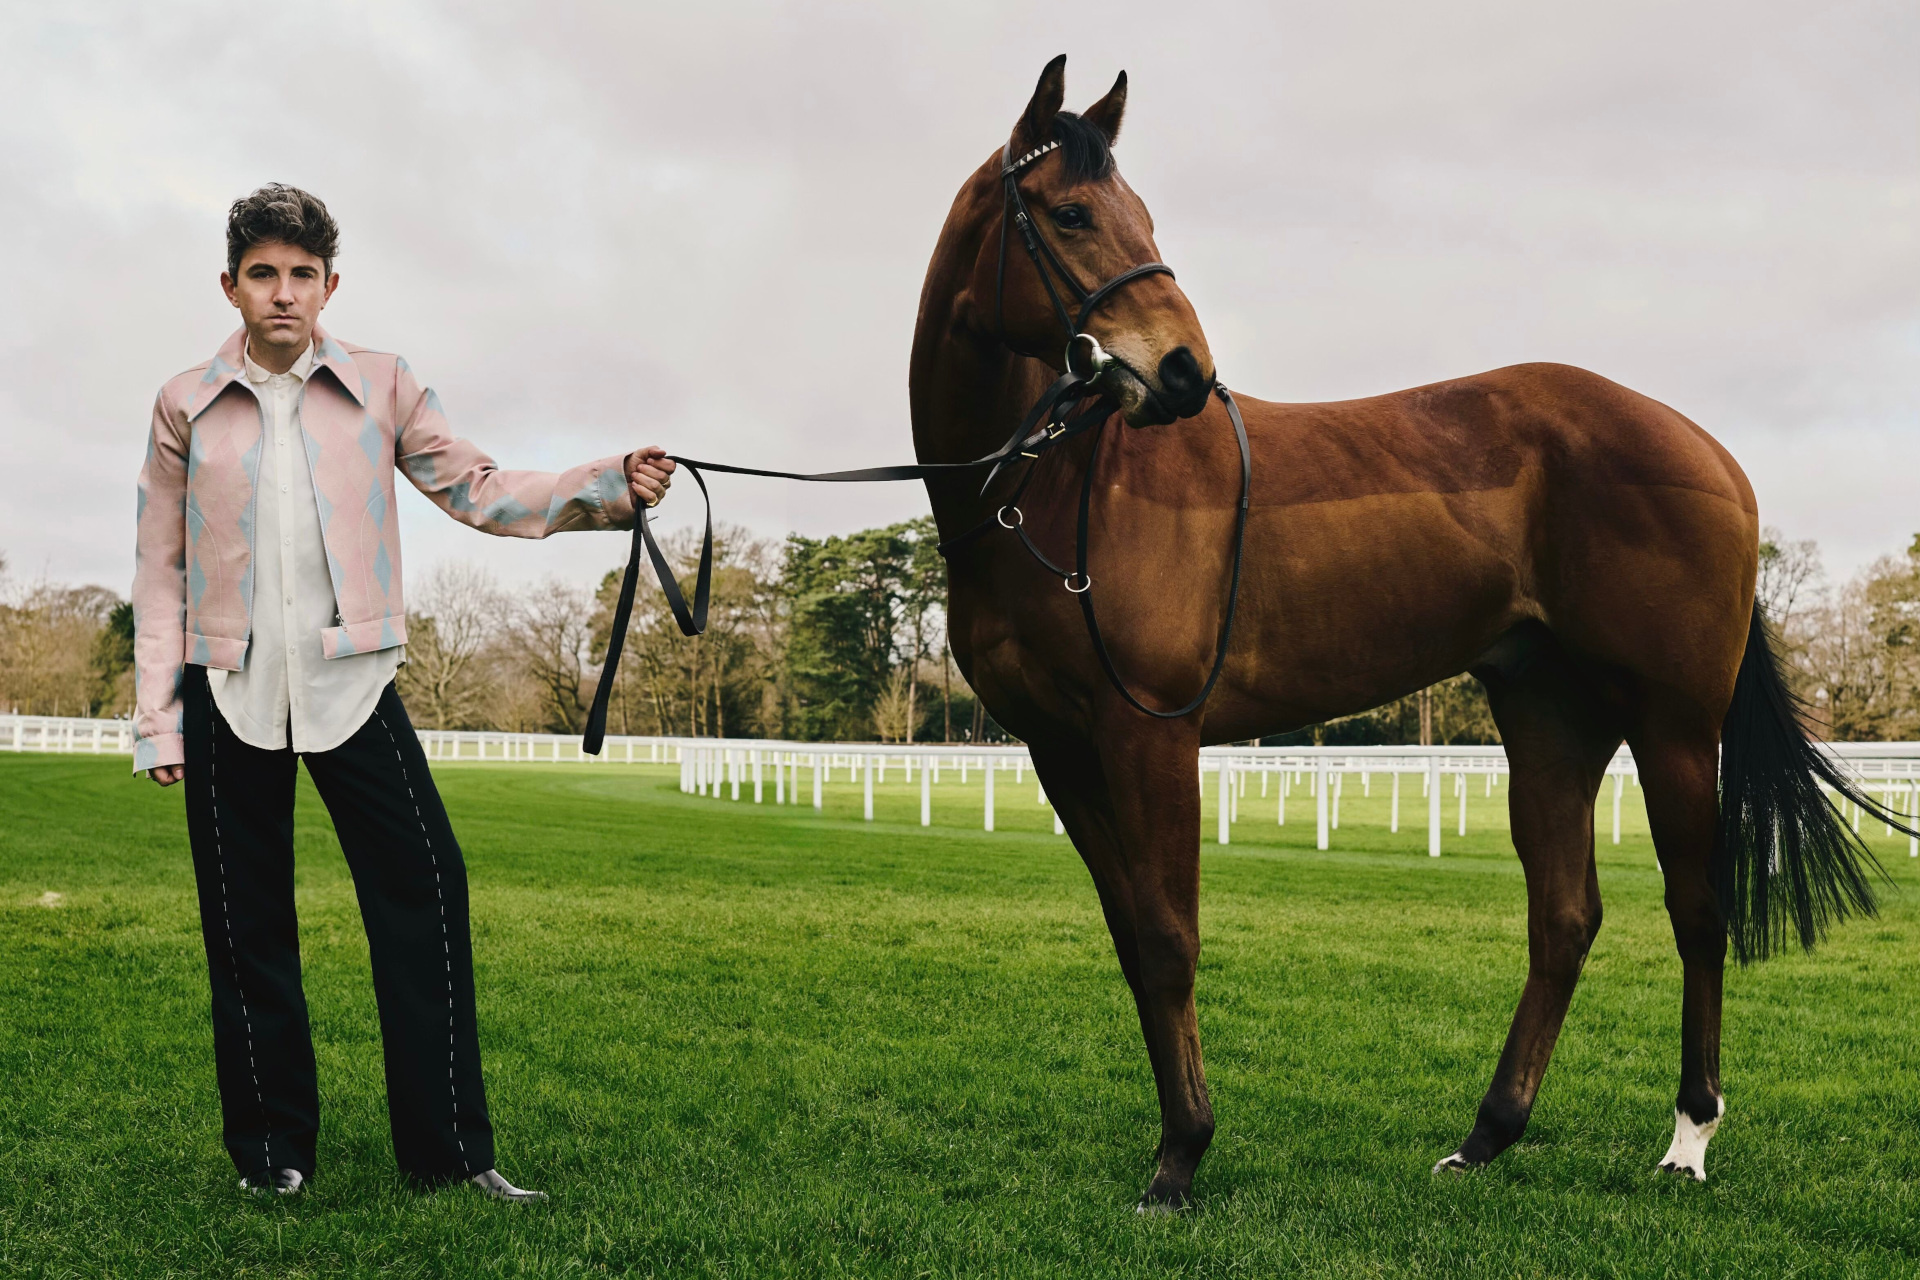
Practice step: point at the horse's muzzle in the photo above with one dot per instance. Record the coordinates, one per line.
(1183, 388)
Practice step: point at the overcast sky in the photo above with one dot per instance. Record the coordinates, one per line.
(595, 226)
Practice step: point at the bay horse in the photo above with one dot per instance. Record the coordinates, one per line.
(1586, 552)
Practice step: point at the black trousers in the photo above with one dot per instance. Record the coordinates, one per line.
(412, 887)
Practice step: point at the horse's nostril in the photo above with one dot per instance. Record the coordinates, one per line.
(1181, 381)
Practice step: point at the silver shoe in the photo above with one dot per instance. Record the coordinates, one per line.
(277, 1182)
(495, 1187)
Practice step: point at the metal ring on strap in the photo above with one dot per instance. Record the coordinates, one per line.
(1001, 516)
(1086, 582)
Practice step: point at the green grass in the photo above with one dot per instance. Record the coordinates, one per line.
(736, 1040)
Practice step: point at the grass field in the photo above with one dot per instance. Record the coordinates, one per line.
(745, 1041)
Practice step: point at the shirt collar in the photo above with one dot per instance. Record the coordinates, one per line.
(301, 367)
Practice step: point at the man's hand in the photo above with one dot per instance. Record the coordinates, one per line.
(649, 474)
(168, 774)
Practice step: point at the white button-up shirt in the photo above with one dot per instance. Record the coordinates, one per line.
(287, 685)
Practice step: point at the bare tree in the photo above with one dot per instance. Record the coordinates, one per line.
(552, 629)
(50, 648)
(1791, 577)
(458, 609)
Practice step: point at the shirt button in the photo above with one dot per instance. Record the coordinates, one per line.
(287, 541)
(283, 488)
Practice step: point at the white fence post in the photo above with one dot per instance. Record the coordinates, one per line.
(817, 803)
(756, 776)
(1433, 806)
(926, 793)
(1320, 801)
(1393, 822)
(1226, 801)
(1619, 785)
(987, 766)
(867, 772)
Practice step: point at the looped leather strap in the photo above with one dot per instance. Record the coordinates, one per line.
(1030, 436)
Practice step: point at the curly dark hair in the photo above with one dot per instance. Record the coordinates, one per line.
(279, 214)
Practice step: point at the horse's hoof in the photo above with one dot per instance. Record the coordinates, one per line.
(1455, 1163)
(1154, 1205)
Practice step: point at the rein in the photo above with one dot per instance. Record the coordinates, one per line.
(1052, 419)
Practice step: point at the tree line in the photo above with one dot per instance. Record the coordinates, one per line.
(845, 638)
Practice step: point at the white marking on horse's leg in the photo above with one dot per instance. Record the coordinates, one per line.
(1688, 1154)
(1455, 1163)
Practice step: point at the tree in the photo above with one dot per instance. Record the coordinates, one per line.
(728, 681)
(923, 602)
(52, 659)
(553, 626)
(458, 610)
(844, 595)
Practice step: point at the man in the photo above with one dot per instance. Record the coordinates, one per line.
(268, 624)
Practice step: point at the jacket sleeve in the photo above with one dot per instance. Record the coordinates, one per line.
(467, 484)
(160, 592)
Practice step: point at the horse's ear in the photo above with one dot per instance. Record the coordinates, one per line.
(1036, 123)
(1105, 114)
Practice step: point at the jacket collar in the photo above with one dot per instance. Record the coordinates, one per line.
(230, 364)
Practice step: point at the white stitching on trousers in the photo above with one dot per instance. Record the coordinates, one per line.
(233, 952)
(446, 940)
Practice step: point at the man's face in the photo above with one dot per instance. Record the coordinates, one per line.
(280, 293)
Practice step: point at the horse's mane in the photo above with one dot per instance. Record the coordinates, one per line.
(1084, 149)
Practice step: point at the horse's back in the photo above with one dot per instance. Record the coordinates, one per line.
(1538, 491)
(1482, 432)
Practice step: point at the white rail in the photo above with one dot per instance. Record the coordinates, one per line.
(768, 769)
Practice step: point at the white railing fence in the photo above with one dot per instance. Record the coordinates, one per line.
(764, 769)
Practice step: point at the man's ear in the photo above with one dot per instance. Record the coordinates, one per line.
(1105, 114)
(1036, 123)
(333, 282)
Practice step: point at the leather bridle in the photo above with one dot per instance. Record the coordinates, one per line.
(1061, 413)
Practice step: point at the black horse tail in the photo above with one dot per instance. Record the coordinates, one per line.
(1785, 862)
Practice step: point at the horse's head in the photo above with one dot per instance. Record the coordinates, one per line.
(1088, 227)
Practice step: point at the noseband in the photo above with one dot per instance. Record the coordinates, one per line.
(1061, 412)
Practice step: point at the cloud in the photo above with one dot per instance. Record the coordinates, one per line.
(595, 226)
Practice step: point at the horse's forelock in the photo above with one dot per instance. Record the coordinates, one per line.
(1084, 149)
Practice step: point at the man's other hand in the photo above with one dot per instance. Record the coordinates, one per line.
(168, 774)
(649, 474)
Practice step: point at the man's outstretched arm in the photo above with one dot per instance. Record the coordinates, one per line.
(469, 486)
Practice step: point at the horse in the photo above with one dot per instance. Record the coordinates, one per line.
(1587, 553)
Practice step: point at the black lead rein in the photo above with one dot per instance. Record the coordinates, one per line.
(1051, 420)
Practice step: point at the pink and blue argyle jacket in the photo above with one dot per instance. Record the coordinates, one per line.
(362, 415)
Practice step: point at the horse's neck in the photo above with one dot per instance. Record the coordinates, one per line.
(967, 397)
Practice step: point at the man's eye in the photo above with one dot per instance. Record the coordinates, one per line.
(1071, 217)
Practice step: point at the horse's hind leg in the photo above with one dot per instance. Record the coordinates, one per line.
(1677, 747)
(1559, 737)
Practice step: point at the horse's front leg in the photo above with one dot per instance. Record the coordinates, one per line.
(1132, 807)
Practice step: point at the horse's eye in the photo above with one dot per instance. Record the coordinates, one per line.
(1071, 217)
